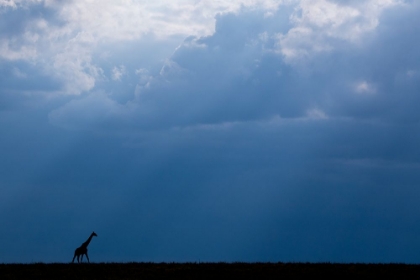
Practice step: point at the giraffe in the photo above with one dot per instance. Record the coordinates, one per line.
(82, 250)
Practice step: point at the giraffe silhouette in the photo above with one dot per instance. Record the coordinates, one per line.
(82, 250)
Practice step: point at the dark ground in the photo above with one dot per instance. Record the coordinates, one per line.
(203, 270)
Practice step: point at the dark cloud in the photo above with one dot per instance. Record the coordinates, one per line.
(300, 191)
(18, 77)
(228, 154)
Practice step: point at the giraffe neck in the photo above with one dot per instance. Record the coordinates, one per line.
(86, 243)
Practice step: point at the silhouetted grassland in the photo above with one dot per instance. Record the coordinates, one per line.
(203, 270)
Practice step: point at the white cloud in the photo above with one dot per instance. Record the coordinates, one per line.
(73, 65)
(122, 20)
(7, 3)
(63, 45)
(317, 23)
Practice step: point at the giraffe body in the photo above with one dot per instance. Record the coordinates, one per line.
(82, 250)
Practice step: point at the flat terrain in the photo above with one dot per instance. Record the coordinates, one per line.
(202, 270)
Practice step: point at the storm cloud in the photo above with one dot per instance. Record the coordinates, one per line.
(250, 131)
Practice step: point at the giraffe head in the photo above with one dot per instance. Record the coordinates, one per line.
(94, 234)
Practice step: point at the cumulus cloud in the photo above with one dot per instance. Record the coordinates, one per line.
(115, 20)
(62, 36)
(317, 24)
(235, 74)
(242, 56)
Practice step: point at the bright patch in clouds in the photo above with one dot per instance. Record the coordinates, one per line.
(316, 114)
(118, 72)
(365, 88)
(317, 23)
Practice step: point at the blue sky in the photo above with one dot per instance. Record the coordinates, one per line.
(247, 130)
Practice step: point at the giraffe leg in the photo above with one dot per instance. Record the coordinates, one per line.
(78, 258)
(87, 257)
(81, 258)
(73, 258)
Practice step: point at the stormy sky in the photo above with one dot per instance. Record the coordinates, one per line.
(186, 131)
